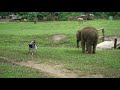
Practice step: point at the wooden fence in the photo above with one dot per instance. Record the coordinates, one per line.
(103, 34)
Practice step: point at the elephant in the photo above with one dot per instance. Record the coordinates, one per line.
(89, 39)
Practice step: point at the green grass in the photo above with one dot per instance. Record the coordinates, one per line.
(65, 27)
(105, 62)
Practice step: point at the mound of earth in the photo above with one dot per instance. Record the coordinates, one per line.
(108, 43)
(58, 37)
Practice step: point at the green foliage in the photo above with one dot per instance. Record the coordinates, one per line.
(61, 15)
(64, 15)
(4, 13)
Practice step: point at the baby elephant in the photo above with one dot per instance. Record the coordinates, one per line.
(89, 38)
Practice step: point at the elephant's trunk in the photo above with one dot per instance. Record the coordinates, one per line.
(77, 43)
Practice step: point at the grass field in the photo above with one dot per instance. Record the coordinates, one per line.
(14, 39)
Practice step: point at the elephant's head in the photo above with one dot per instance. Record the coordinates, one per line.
(78, 38)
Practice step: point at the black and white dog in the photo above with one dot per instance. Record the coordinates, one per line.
(32, 47)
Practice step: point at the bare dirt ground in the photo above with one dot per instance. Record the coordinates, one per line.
(108, 43)
(58, 37)
(56, 71)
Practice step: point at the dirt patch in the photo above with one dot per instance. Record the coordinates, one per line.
(93, 76)
(108, 44)
(58, 37)
(56, 71)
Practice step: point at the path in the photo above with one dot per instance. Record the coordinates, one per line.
(56, 71)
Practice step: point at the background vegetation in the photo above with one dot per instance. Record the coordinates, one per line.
(61, 15)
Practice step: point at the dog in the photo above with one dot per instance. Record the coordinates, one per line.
(32, 47)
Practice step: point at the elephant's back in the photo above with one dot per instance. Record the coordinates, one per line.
(89, 32)
(88, 28)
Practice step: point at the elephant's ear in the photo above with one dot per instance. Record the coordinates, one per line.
(78, 35)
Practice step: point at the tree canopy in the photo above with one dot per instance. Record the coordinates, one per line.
(60, 15)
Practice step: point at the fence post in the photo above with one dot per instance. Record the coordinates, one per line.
(115, 43)
(103, 35)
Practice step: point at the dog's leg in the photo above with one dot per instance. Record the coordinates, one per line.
(32, 51)
(29, 51)
(35, 49)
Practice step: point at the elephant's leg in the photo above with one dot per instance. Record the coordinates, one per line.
(77, 43)
(94, 48)
(86, 46)
(89, 46)
(83, 46)
(94, 45)
(90, 49)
